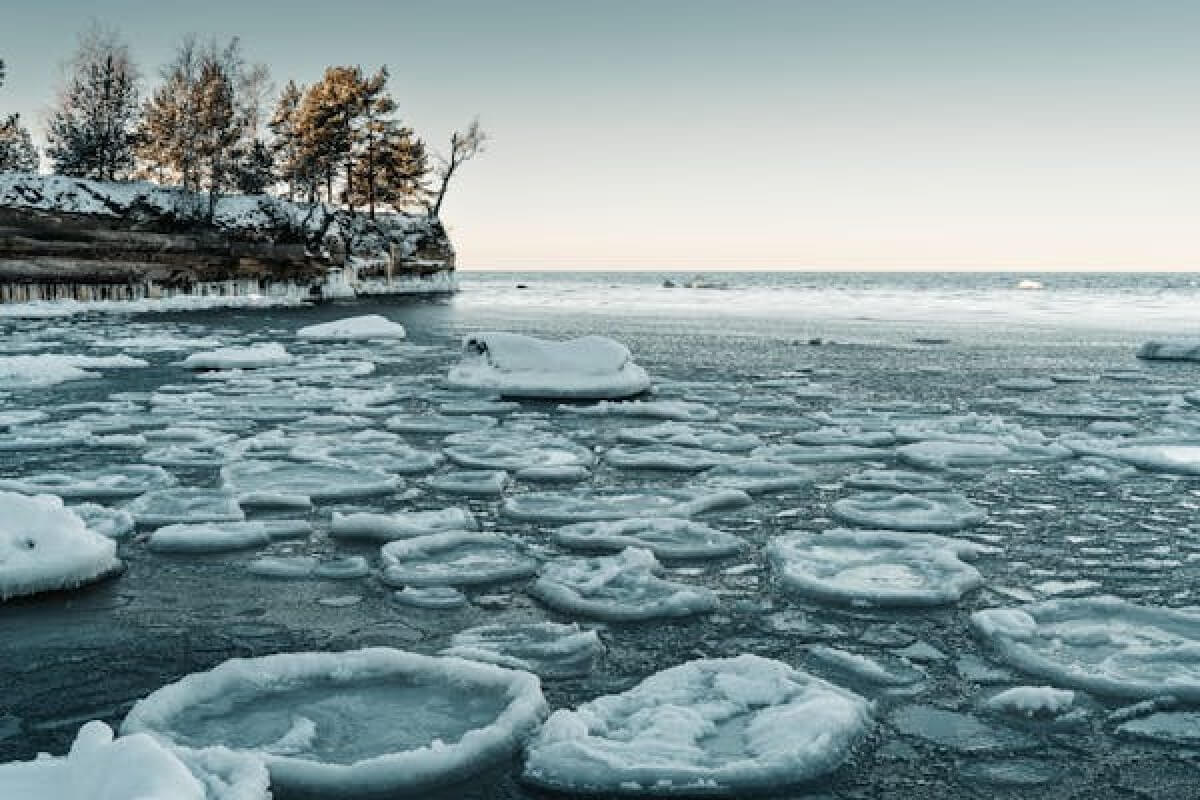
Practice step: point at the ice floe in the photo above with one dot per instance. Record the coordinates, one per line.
(49, 369)
(1175, 455)
(588, 505)
(291, 484)
(547, 649)
(819, 454)
(475, 482)
(620, 588)
(516, 450)
(109, 482)
(454, 558)
(943, 454)
(370, 326)
(679, 410)
(1105, 645)
(664, 457)
(438, 423)
(896, 480)
(326, 723)
(168, 506)
(46, 547)
(878, 568)
(666, 537)
(257, 357)
(712, 727)
(431, 597)
(1171, 350)
(591, 367)
(755, 476)
(682, 434)
(111, 522)
(1032, 701)
(216, 537)
(401, 525)
(1180, 728)
(939, 511)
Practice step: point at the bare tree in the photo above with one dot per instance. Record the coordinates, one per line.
(464, 145)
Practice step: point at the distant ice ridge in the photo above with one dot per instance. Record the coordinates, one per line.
(715, 727)
(591, 367)
(46, 547)
(365, 722)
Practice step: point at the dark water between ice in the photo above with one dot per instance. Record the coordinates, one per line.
(70, 657)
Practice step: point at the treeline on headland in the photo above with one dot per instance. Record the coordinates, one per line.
(214, 123)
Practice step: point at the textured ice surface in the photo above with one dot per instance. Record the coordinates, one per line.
(285, 483)
(370, 326)
(819, 454)
(515, 450)
(48, 369)
(1032, 701)
(257, 357)
(216, 537)
(1168, 727)
(45, 547)
(358, 722)
(432, 597)
(961, 732)
(1180, 458)
(896, 480)
(720, 727)
(618, 588)
(875, 567)
(1103, 644)
(547, 649)
(665, 457)
(437, 423)
(755, 476)
(167, 506)
(680, 410)
(371, 448)
(1171, 350)
(111, 522)
(682, 434)
(909, 512)
(591, 367)
(454, 558)
(666, 537)
(477, 482)
(892, 671)
(586, 505)
(845, 436)
(401, 525)
(110, 482)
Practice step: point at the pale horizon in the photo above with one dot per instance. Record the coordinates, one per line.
(772, 136)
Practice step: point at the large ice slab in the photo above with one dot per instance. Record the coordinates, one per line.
(1105, 645)
(943, 511)
(666, 537)
(620, 588)
(547, 649)
(287, 483)
(1173, 455)
(401, 525)
(682, 434)
(1171, 350)
(371, 721)
(271, 354)
(46, 547)
(664, 457)
(585, 506)
(369, 326)
(681, 410)
(108, 482)
(876, 568)
(591, 367)
(755, 476)
(516, 450)
(217, 537)
(168, 506)
(49, 369)
(454, 558)
(712, 727)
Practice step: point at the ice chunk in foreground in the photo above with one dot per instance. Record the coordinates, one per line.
(909, 512)
(666, 537)
(45, 547)
(1171, 350)
(258, 357)
(878, 568)
(168, 506)
(370, 326)
(712, 727)
(620, 588)
(371, 721)
(402, 525)
(1101, 644)
(584, 506)
(591, 367)
(109, 482)
(548, 649)
(454, 558)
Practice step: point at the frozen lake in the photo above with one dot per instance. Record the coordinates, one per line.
(1010, 436)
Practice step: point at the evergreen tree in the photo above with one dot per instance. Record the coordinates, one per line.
(287, 147)
(395, 174)
(92, 127)
(17, 153)
(326, 125)
(254, 168)
(216, 125)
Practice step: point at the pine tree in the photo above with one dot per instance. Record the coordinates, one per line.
(17, 153)
(216, 125)
(254, 168)
(287, 147)
(92, 126)
(327, 117)
(395, 175)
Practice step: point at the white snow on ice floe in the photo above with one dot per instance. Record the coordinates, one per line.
(168, 506)
(682, 434)
(516, 450)
(49, 369)
(664, 457)
(585, 506)
(271, 354)
(679, 410)
(46, 547)
(1171, 350)
(1032, 701)
(1105, 645)
(938, 511)
(547, 649)
(620, 588)
(1178, 455)
(666, 537)
(591, 367)
(108, 482)
(473, 482)
(370, 326)
(754, 476)
(945, 454)
(878, 568)
(291, 484)
(373, 721)
(401, 525)
(98, 767)
(431, 597)
(454, 558)
(712, 727)
(216, 537)
(111, 522)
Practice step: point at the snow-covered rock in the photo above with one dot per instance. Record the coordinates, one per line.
(46, 547)
(712, 727)
(1105, 645)
(454, 558)
(878, 568)
(271, 354)
(1171, 350)
(909, 512)
(620, 588)
(666, 537)
(370, 326)
(547, 649)
(591, 367)
(373, 721)
(588, 506)
(401, 525)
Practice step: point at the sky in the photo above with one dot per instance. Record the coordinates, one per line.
(761, 134)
